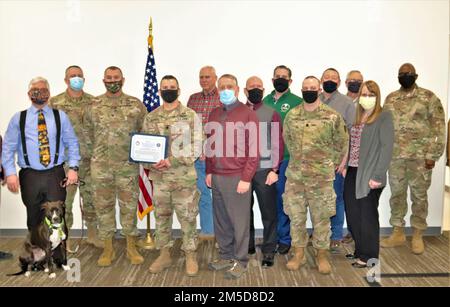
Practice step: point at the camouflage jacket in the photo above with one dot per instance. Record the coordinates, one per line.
(183, 127)
(109, 122)
(419, 124)
(317, 142)
(75, 108)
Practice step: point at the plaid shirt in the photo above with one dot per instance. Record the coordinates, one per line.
(203, 103)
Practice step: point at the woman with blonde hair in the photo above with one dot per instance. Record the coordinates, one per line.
(369, 156)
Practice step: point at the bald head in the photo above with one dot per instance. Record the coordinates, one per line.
(407, 68)
(254, 82)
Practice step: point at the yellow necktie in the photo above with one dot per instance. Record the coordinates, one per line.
(44, 146)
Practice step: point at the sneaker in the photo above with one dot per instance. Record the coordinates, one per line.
(283, 249)
(220, 264)
(236, 271)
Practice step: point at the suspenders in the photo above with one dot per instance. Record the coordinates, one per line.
(23, 116)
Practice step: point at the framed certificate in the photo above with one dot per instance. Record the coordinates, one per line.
(148, 148)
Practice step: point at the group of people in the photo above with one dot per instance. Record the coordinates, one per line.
(326, 151)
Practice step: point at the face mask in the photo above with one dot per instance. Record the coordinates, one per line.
(169, 95)
(329, 86)
(280, 84)
(227, 97)
(114, 86)
(310, 96)
(76, 83)
(255, 95)
(407, 81)
(353, 87)
(367, 102)
(39, 96)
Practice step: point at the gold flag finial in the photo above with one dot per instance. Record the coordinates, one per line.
(150, 36)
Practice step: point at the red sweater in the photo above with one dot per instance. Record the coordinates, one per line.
(240, 157)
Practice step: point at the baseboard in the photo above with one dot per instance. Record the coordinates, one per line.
(76, 233)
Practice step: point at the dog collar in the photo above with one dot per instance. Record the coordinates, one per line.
(50, 225)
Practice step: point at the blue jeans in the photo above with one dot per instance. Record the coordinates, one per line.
(205, 202)
(284, 223)
(337, 221)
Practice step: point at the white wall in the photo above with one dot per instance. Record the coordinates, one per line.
(243, 38)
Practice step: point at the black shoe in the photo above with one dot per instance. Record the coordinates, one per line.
(268, 260)
(251, 250)
(351, 256)
(4, 255)
(283, 249)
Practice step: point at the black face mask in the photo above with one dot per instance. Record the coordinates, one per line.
(169, 95)
(280, 84)
(354, 86)
(255, 95)
(310, 96)
(407, 81)
(329, 86)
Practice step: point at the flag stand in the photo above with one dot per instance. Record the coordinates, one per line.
(148, 242)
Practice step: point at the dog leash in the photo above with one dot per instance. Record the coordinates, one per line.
(79, 183)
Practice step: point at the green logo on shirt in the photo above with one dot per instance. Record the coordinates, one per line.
(285, 107)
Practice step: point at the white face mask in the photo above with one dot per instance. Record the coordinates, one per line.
(367, 102)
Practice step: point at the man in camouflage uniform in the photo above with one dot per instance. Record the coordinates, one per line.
(74, 101)
(419, 142)
(317, 140)
(175, 177)
(110, 120)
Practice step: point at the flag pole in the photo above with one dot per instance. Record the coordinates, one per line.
(148, 242)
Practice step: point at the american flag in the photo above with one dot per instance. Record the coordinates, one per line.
(151, 101)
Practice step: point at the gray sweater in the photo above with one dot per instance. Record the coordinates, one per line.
(375, 153)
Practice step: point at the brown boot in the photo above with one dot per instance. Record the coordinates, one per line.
(162, 262)
(397, 238)
(298, 260)
(191, 264)
(92, 236)
(108, 255)
(417, 244)
(322, 261)
(132, 253)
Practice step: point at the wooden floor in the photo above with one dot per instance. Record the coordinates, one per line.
(393, 261)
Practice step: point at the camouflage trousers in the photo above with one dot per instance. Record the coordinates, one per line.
(111, 183)
(89, 215)
(170, 196)
(405, 173)
(321, 201)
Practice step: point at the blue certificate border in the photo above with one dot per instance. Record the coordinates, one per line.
(138, 133)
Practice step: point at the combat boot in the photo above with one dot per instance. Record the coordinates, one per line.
(191, 264)
(297, 260)
(92, 236)
(108, 255)
(162, 262)
(417, 244)
(323, 264)
(397, 238)
(132, 253)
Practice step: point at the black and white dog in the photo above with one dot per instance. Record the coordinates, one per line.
(45, 245)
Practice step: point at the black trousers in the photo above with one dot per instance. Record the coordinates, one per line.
(362, 216)
(267, 200)
(38, 187)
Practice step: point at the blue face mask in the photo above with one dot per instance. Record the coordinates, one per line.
(227, 97)
(76, 83)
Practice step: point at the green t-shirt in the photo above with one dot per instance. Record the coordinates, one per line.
(283, 105)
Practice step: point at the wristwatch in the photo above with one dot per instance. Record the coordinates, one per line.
(75, 168)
